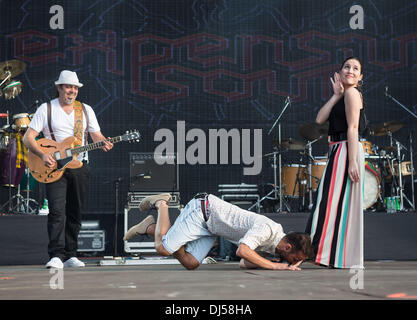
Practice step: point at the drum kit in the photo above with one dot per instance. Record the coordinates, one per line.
(13, 173)
(386, 170)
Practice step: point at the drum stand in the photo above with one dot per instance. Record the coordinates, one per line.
(398, 151)
(277, 189)
(413, 206)
(309, 173)
(22, 203)
(273, 194)
(398, 185)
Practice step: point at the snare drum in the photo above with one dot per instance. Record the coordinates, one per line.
(372, 188)
(293, 180)
(21, 121)
(367, 147)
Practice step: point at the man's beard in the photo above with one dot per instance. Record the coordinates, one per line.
(69, 100)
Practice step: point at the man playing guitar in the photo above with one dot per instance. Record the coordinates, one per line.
(59, 119)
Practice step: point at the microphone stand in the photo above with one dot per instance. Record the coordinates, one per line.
(116, 186)
(287, 103)
(399, 103)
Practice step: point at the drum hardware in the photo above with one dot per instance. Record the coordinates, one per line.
(277, 189)
(273, 194)
(398, 151)
(8, 70)
(384, 128)
(313, 133)
(23, 205)
(289, 144)
(410, 138)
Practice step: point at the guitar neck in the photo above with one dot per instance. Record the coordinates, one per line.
(95, 145)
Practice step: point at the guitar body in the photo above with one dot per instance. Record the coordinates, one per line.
(65, 154)
(60, 152)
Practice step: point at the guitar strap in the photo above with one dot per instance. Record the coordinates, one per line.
(78, 123)
(49, 121)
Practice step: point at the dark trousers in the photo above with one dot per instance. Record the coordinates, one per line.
(65, 200)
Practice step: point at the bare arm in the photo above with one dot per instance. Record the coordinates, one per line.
(98, 136)
(353, 104)
(325, 110)
(250, 260)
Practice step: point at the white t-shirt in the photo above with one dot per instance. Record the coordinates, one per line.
(62, 123)
(241, 226)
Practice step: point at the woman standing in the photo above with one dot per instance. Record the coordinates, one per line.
(336, 223)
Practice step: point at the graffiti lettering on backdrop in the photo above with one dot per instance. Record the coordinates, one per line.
(165, 70)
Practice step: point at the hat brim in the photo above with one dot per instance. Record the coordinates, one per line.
(78, 84)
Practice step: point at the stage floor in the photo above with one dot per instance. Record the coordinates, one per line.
(222, 281)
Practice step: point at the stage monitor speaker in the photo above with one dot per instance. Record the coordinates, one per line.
(147, 175)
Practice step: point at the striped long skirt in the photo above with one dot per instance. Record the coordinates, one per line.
(336, 222)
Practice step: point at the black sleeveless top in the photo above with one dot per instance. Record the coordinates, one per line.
(338, 122)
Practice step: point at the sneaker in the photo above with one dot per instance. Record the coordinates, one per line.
(149, 202)
(73, 263)
(55, 263)
(140, 228)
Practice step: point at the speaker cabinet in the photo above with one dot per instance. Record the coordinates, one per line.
(147, 175)
(143, 243)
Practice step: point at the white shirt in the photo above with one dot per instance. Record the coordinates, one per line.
(62, 123)
(241, 226)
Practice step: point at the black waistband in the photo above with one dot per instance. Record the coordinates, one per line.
(338, 137)
(341, 136)
(201, 195)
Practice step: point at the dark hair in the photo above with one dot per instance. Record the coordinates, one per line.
(352, 58)
(300, 241)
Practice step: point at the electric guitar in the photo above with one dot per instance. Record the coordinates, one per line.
(65, 154)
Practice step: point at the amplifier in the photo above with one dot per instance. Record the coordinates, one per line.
(132, 216)
(243, 195)
(137, 197)
(91, 240)
(151, 172)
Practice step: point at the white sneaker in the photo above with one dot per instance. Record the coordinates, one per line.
(73, 263)
(55, 263)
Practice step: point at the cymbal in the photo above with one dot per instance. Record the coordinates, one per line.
(390, 148)
(290, 144)
(15, 67)
(312, 131)
(383, 128)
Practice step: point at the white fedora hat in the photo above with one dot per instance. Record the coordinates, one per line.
(68, 77)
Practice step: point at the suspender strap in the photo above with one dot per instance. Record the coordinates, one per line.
(49, 121)
(86, 128)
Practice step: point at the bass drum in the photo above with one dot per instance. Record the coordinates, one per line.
(293, 180)
(372, 188)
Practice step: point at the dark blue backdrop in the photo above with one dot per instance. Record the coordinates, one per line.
(214, 64)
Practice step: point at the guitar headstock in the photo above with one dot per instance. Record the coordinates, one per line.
(131, 136)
